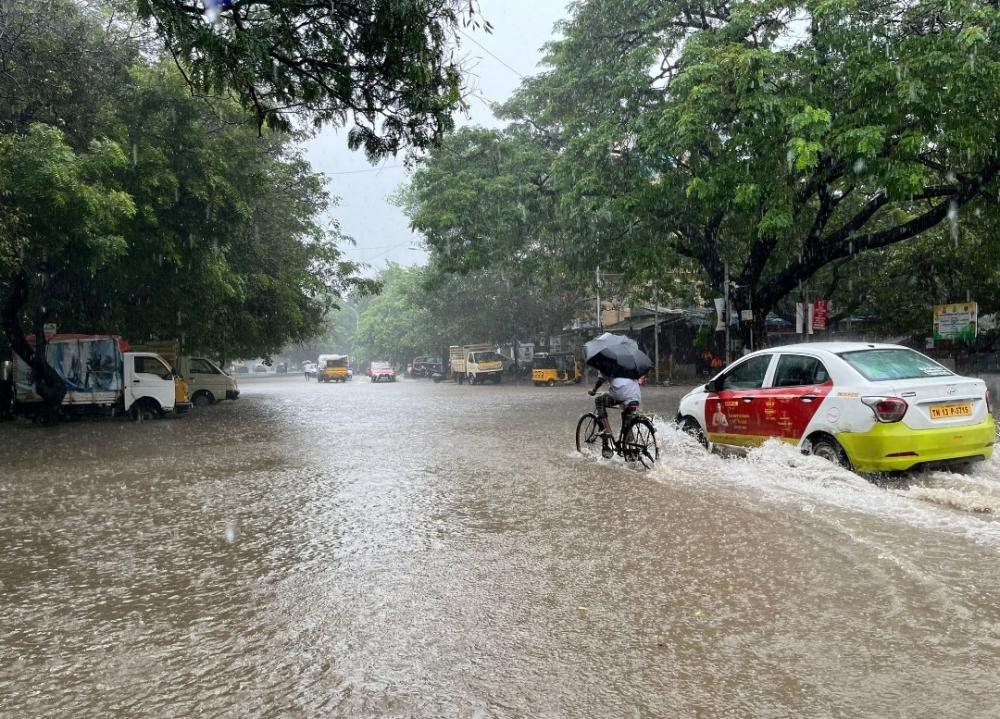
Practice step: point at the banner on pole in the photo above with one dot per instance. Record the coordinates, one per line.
(798, 318)
(821, 312)
(957, 321)
(809, 320)
(720, 313)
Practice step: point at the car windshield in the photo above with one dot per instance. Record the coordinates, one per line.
(380, 365)
(878, 365)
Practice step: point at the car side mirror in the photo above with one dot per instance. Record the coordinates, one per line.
(714, 385)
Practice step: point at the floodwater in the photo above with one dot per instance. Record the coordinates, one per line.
(422, 550)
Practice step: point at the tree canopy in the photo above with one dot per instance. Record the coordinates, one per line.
(786, 140)
(383, 67)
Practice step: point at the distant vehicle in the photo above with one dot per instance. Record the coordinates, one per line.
(102, 376)
(555, 368)
(261, 369)
(281, 368)
(424, 366)
(476, 364)
(332, 368)
(309, 369)
(382, 372)
(869, 407)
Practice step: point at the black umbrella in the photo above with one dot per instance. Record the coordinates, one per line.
(617, 356)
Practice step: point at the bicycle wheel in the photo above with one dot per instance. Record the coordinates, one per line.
(588, 431)
(640, 443)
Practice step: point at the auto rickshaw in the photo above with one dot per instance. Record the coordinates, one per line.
(555, 368)
(332, 368)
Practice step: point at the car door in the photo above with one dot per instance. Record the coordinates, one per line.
(798, 386)
(151, 377)
(732, 415)
(203, 375)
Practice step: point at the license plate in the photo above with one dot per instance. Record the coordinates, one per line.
(947, 411)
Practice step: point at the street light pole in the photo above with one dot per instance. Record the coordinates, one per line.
(656, 334)
(725, 311)
(598, 299)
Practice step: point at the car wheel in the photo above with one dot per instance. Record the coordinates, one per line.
(690, 426)
(829, 449)
(203, 399)
(550, 383)
(144, 412)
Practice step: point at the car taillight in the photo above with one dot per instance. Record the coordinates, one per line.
(887, 409)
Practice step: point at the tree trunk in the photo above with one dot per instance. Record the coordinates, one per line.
(49, 385)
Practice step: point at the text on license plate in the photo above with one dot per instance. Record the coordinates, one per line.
(945, 411)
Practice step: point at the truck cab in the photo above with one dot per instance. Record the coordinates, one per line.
(207, 382)
(150, 389)
(484, 366)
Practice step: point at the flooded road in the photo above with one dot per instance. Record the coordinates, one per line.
(422, 550)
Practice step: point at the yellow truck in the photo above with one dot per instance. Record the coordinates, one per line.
(475, 364)
(333, 368)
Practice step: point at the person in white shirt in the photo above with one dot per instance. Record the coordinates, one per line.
(624, 391)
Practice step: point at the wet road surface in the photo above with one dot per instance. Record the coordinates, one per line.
(422, 550)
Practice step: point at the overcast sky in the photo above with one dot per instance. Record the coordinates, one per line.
(381, 231)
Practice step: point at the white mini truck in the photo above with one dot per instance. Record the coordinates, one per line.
(102, 376)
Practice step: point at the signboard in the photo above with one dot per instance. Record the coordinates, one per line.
(957, 321)
(799, 317)
(746, 315)
(49, 330)
(821, 311)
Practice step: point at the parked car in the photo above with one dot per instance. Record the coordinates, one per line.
(869, 407)
(424, 366)
(382, 372)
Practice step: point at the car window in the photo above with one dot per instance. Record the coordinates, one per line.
(798, 370)
(200, 366)
(887, 364)
(747, 375)
(152, 365)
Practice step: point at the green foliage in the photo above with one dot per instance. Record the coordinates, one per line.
(68, 211)
(385, 67)
(423, 310)
(782, 139)
(161, 215)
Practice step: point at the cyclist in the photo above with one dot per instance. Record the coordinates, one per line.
(624, 392)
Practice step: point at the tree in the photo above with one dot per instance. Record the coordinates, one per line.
(63, 217)
(384, 67)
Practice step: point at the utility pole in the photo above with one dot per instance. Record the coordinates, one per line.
(725, 294)
(656, 334)
(598, 299)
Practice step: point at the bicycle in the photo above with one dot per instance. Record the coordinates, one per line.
(636, 441)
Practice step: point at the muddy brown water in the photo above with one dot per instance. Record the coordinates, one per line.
(422, 550)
